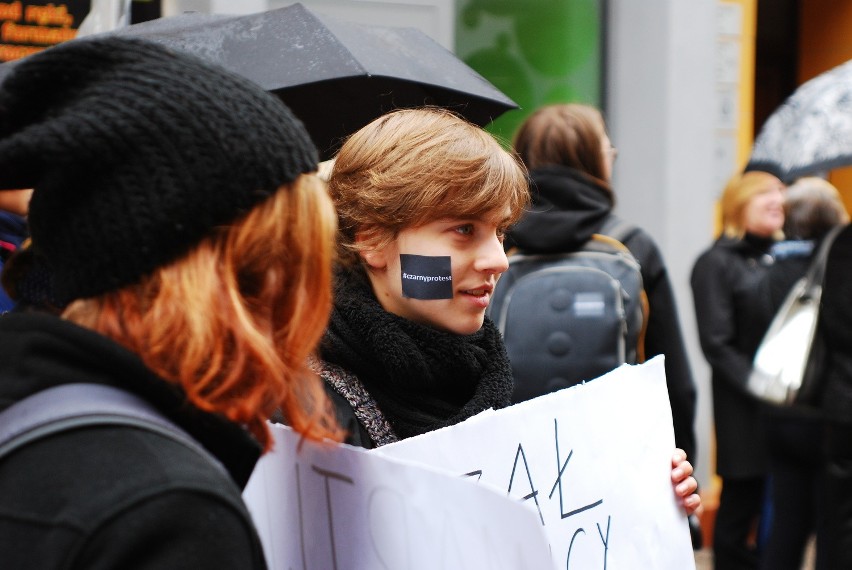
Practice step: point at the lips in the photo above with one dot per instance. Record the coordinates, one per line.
(480, 291)
(476, 292)
(480, 296)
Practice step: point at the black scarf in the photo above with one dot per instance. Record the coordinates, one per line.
(421, 378)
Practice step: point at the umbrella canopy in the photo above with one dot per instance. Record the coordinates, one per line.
(335, 75)
(811, 132)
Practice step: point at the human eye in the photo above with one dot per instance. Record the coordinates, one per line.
(464, 229)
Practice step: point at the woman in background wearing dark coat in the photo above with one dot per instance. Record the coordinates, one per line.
(793, 433)
(724, 284)
(570, 159)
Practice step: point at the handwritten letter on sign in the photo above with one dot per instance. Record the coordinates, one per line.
(593, 462)
(336, 507)
(576, 480)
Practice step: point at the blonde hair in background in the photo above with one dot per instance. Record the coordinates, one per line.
(813, 206)
(414, 166)
(739, 191)
(234, 321)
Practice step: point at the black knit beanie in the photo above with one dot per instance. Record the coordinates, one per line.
(135, 153)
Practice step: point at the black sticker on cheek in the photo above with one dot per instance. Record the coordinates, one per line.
(426, 277)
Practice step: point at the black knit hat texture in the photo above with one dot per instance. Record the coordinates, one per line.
(136, 152)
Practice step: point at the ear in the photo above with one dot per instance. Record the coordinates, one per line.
(373, 257)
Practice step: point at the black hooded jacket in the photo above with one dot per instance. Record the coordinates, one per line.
(105, 497)
(567, 208)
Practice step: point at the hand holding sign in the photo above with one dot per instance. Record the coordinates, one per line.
(591, 464)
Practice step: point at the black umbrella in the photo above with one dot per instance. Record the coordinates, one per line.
(811, 131)
(337, 76)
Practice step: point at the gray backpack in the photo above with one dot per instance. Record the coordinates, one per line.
(571, 317)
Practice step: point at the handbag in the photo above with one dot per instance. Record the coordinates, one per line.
(787, 365)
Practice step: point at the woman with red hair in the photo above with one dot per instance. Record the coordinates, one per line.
(188, 243)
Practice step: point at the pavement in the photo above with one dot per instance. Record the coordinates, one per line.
(704, 559)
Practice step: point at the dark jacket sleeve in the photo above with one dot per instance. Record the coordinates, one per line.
(356, 433)
(714, 314)
(664, 336)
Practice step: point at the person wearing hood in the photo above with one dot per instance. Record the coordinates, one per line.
(177, 211)
(570, 158)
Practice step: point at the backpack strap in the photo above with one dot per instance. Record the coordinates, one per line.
(615, 232)
(618, 229)
(816, 271)
(72, 406)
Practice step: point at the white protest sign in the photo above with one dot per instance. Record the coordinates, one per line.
(593, 460)
(335, 507)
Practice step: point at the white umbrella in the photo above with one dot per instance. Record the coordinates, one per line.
(811, 131)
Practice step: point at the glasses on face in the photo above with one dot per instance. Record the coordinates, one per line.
(612, 153)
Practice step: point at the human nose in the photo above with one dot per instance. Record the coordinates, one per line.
(776, 191)
(491, 257)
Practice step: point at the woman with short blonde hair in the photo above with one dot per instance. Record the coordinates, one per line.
(728, 310)
(423, 199)
(741, 205)
(415, 166)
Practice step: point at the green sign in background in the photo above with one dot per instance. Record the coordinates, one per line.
(536, 51)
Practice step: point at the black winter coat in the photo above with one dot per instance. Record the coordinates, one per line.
(568, 207)
(112, 496)
(836, 322)
(731, 324)
(791, 432)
